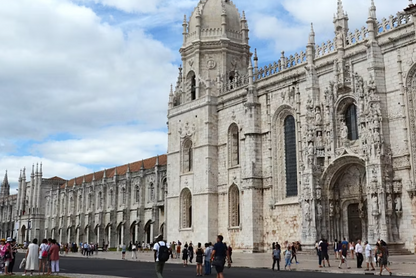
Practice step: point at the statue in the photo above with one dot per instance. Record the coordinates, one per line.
(375, 205)
(389, 203)
(398, 202)
(371, 88)
(310, 149)
(306, 211)
(309, 103)
(331, 208)
(310, 135)
(360, 85)
(344, 131)
(318, 116)
(319, 210)
(318, 193)
(319, 140)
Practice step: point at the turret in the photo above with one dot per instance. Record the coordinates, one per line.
(198, 24)
(341, 20)
(244, 28)
(5, 187)
(310, 48)
(185, 29)
(372, 21)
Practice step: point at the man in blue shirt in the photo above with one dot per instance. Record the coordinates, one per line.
(218, 256)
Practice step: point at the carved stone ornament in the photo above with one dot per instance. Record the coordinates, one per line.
(211, 64)
(187, 129)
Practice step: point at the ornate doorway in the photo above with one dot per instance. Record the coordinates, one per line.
(355, 228)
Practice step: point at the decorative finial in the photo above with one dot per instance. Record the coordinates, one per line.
(255, 54)
(40, 168)
(157, 160)
(33, 169)
(171, 90)
(128, 168)
(244, 15)
(340, 9)
(372, 12)
(312, 35)
(142, 167)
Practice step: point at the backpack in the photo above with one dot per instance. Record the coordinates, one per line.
(164, 253)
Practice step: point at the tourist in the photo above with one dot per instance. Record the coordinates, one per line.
(288, 256)
(207, 261)
(191, 252)
(335, 245)
(352, 249)
(32, 260)
(383, 257)
(359, 254)
(14, 247)
(123, 251)
(43, 256)
(199, 257)
(324, 252)
(294, 253)
(173, 247)
(54, 257)
(161, 255)
(134, 251)
(49, 261)
(2, 252)
(343, 256)
(230, 253)
(339, 249)
(143, 246)
(369, 257)
(185, 255)
(178, 250)
(8, 256)
(276, 257)
(219, 255)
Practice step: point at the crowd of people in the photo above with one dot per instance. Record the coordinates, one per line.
(42, 258)
(289, 254)
(211, 256)
(346, 250)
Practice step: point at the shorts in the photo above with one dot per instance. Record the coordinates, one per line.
(325, 256)
(43, 260)
(123, 252)
(369, 259)
(6, 263)
(219, 269)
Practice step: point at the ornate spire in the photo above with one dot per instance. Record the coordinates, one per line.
(244, 15)
(40, 172)
(171, 90)
(6, 179)
(312, 35)
(24, 173)
(33, 170)
(372, 14)
(340, 12)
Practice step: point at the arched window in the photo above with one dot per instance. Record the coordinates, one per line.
(233, 145)
(151, 192)
(186, 209)
(290, 157)
(351, 122)
(138, 194)
(234, 206)
(124, 195)
(187, 156)
(162, 190)
(192, 84)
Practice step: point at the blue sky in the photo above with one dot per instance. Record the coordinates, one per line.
(85, 83)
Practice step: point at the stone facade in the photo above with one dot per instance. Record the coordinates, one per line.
(117, 205)
(318, 144)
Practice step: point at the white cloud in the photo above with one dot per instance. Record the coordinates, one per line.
(111, 146)
(51, 168)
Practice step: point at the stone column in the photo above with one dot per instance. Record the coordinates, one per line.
(136, 232)
(78, 237)
(69, 236)
(98, 234)
(122, 233)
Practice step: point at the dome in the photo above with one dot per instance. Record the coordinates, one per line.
(211, 19)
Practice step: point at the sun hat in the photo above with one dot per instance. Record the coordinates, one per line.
(9, 239)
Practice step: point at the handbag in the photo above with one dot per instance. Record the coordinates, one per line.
(22, 264)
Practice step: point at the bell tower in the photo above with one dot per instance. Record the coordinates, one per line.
(215, 51)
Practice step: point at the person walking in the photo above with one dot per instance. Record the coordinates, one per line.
(352, 249)
(32, 260)
(199, 258)
(219, 255)
(369, 257)
(14, 251)
(335, 244)
(207, 261)
(43, 256)
(123, 251)
(359, 254)
(343, 254)
(294, 253)
(230, 252)
(173, 247)
(178, 250)
(54, 257)
(191, 252)
(288, 256)
(383, 258)
(134, 251)
(185, 255)
(8, 256)
(324, 252)
(276, 257)
(161, 255)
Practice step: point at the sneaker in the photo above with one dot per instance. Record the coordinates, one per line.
(297, 262)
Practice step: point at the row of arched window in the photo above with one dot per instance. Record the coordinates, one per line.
(233, 207)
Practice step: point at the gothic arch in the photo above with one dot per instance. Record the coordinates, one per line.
(234, 206)
(329, 177)
(186, 209)
(347, 106)
(411, 113)
(280, 170)
(187, 155)
(233, 145)
(191, 84)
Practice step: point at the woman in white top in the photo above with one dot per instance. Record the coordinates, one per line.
(43, 256)
(32, 260)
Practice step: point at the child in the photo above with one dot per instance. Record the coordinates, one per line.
(344, 252)
(288, 256)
